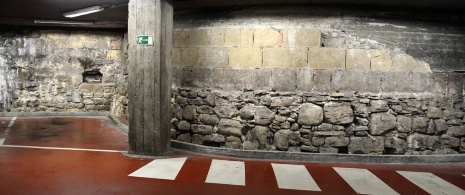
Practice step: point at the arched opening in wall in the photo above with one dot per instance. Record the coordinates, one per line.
(93, 76)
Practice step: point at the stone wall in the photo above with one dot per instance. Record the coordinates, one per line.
(59, 70)
(321, 80)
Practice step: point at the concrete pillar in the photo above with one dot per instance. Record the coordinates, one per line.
(150, 76)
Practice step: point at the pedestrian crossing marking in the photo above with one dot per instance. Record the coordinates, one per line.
(431, 183)
(363, 181)
(161, 169)
(226, 172)
(294, 177)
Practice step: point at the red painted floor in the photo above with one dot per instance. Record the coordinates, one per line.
(55, 169)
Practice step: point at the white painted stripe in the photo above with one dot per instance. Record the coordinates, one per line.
(12, 122)
(295, 177)
(54, 148)
(431, 183)
(363, 181)
(2, 140)
(226, 172)
(161, 169)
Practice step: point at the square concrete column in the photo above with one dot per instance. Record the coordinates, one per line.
(150, 29)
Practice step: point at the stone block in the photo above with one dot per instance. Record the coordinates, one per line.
(176, 56)
(338, 113)
(190, 56)
(232, 38)
(181, 38)
(206, 38)
(285, 58)
(301, 38)
(382, 123)
(373, 81)
(261, 78)
(402, 62)
(326, 58)
(339, 141)
(434, 112)
(192, 77)
(202, 129)
(455, 83)
(245, 57)
(419, 82)
(284, 79)
(404, 124)
(437, 83)
(358, 59)
(388, 82)
(420, 124)
(213, 56)
(381, 60)
(267, 38)
(281, 139)
(322, 80)
(403, 81)
(342, 80)
(304, 79)
(310, 114)
(247, 38)
(230, 127)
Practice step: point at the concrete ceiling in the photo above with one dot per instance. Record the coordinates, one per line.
(23, 12)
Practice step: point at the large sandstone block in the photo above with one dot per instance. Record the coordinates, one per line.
(267, 38)
(310, 114)
(284, 79)
(190, 56)
(358, 59)
(366, 145)
(281, 139)
(285, 58)
(437, 83)
(176, 56)
(232, 38)
(381, 60)
(402, 62)
(338, 113)
(455, 83)
(301, 38)
(404, 124)
(263, 115)
(322, 80)
(213, 57)
(206, 38)
(304, 80)
(247, 37)
(326, 58)
(381, 123)
(245, 57)
(181, 38)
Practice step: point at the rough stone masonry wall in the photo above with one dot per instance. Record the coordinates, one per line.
(319, 80)
(59, 70)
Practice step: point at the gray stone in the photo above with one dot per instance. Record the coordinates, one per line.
(420, 124)
(176, 110)
(264, 135)
(215, 138)
(295, 127)
(417, 141)
(226, 111)
(247, 112)
(361, 128)
(338, 113)
(281, 140)
(185, 138)
(281, 101)
(404, 123)
(198, 139)
(209, 119)
(381, 123)
(337, 141)
(263, 115)
(202, 129)
(318, 141)
(378, 106)
(310, 114)
(395, 145)
(361, 133)
(306, 148)
(431, 127)
(205, 110)
(362, 121)
(279, 118)
(450, 142)
(328, 150)
(189, 113)
(360, 109)
(434, 112)
(286, 125)
(366, 145)
(325, 127)
(454, 121)
(184, 126)
(77, 98)
(456, 131)
(329, 133)
(230, 127)
(294, 138)
(440, 126)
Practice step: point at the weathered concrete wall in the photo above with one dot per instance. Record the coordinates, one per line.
(43, 70)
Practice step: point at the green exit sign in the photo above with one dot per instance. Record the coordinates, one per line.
(144, 40)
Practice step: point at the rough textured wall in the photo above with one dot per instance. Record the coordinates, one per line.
(321, 80)
(59, 70)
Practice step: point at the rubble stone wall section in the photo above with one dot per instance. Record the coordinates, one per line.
(44, 70)
(315, 122)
